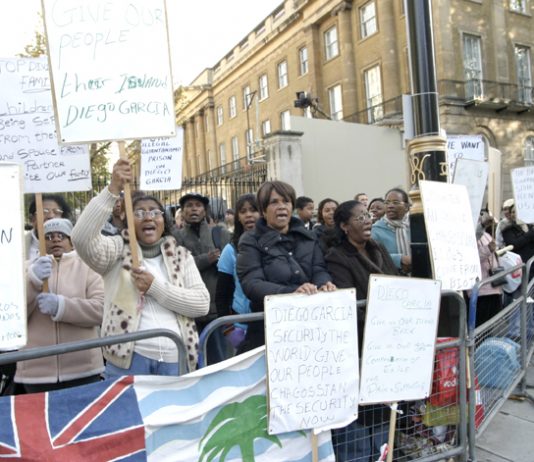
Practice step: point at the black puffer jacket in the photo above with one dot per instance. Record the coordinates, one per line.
(523, 241)
(269, 263)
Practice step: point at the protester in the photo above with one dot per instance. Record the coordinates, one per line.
(393, 229)
(279, 257)
(377, 209)
(71, 311)
(229, 296)
(115, 224)
(205, 244)
(304, 208)
(504, 222)
(520, 235)
(325, 221)
(165, 291)
(351, 261)
(229, 220)
(178, 220)
(363, 198)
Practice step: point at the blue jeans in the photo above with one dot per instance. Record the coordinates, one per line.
(142, 366)
(358, 443)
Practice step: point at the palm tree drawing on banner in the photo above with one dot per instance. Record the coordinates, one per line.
(237, 424)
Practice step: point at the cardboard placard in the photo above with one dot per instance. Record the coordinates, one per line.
(473, 174)
(13, 331)
(161, 162)
(464, 147)
(399, 339)
(451, 236)
(27, 131)
(110, 68)
(523, 187)
(312, 360)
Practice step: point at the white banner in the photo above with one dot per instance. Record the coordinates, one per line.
(523, 186)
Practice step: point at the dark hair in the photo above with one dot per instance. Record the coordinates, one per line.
(376, 199)
(342, 215)
(302, 201)
(138, 196)
(57, 198)
(238, 227)
(402, 192)
(265, 190)
(320, 207)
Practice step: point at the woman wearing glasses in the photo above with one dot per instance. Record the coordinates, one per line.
(393, 229)
(166, 291)
(351, 261)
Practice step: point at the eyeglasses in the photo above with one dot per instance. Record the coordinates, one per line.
(152, 214)
(395, 203)
(54, 236)
(55, 212)
(365, 216)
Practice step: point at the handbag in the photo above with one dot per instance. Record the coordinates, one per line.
(500, 281)
(512, 280)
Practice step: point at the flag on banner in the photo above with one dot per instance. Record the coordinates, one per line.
(215, 414)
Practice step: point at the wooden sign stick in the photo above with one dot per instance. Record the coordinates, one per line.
(315, 447)
(392, 427)
(40, 231)
(128, 208)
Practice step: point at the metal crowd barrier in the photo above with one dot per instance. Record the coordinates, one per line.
(61, 348)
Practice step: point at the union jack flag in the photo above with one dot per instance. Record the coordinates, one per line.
(97, 422)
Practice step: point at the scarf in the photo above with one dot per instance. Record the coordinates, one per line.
(401, 228)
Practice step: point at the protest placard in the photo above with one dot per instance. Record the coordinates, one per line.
(27, 130)
(473, 174)
(110, 68)
(312, 360)
(13, 332)
(523, 187)
(451, 236)
(399, 339)
(464, 147)
(161, 162)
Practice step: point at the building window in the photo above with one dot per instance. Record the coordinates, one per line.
(219, 115)
(529, 151)
(473, 67)
(519, 6)
(284, 120)
(331, 48)
(335, 100)
(303, 61)
(264, 87)
(222, 156)
(524, 74)
(249, 141)
(282, 74)
(247, 97)
(232, 107)
(373, 94)
(235, 148)
(368, 19)
(266, 127)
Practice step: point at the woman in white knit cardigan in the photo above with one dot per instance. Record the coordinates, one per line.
(165, 291)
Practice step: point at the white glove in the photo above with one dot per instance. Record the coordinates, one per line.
(42, 268)
(48, 303)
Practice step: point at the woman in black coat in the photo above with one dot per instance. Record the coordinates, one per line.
(351, 260)
(279, 257)
(520, 235)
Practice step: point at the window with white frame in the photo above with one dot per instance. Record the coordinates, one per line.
(373, 94)
(247, 97)
(472, 67)
(282, 74)
(331, 46)
(335, 100)
(222, 155)
(524, 74)
(232, 107)
(264, 87)
(249, 141)
(519, 6)
(219, 115)
(368, 19)
(284, 120)
(266, 127)
(528, 149)
(303, 61)
(235, 148)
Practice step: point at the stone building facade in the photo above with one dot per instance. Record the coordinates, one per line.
(351, 59)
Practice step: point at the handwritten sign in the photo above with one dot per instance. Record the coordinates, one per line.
(473, 174)
(523, 187)
(464, 147)
(451, 236)
(312, 360)
(399, 339)
(161, 162)
(111, 69)
(27, 130)
(12, 279)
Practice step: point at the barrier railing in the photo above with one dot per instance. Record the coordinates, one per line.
(54, 350)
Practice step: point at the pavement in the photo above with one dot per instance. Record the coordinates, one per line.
(510, 435)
